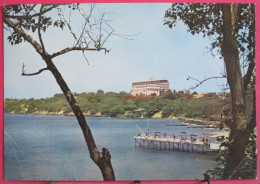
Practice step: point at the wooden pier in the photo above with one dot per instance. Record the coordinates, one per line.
(175, 144)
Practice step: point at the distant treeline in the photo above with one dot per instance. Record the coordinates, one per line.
(209, 106)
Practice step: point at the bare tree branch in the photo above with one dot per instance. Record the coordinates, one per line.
(90, 25)
(31, 74)
(69, 49)
(31, 8)
(39, 28)
(81, 35)
(124, 36)
(85, 57)
(67, 23)
(201, 82)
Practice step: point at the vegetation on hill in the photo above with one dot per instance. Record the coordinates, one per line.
(169, 104)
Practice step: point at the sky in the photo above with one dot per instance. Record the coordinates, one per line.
(151, 50)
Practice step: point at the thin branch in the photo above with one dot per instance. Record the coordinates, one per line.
(39, 28)
(70, 15)
(69, 49)
(85, 57)
(93, 40)
(67, 23)
(81, 35)
(224, 87)
(31, 74)
(29, 16)
(7, 28)
(100, 28)
(87, 20)
(249, 73)
(201, 82)
(107, 38)
(31, 8)
(124, 36)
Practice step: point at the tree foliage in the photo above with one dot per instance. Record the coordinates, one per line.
(207, 19)
(121, 105)
(248, 169)
(231, 29)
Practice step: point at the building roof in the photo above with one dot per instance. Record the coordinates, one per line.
(151, 79)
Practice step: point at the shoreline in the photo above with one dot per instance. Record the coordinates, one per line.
(214, 124)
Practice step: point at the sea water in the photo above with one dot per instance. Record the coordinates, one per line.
(52, 148)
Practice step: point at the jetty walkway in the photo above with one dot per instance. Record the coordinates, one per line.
(176, 144)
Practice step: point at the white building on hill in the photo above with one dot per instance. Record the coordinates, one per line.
(150, 86)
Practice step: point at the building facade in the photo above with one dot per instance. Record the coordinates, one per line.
(150, 86)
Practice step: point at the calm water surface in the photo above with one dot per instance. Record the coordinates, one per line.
(41, 147)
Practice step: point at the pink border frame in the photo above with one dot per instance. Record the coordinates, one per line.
(3, 2)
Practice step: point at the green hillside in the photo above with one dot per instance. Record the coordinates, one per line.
(209, 106)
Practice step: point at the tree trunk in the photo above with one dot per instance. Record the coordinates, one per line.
(232, 63)
(241, 127)
(102, 159)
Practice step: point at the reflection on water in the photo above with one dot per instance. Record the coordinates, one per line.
(39, 147)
